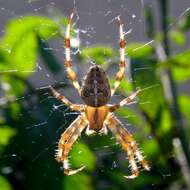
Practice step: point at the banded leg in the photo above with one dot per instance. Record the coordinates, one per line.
(68, 61)
(57, 95)
(66, 142)
(128, 144)
(125, 101)
(120, 74)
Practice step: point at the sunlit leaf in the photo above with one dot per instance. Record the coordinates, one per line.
(4, 184)
(79, 181)
(145, 77)
(81, 155)
(182, 59)
(3, 58)
(20, 43)
(181, 66)
(165, 123)
(137, 50)
(15, 85)
(97, 54)
(181, 74)
(6, 133)
(18, 28)
(184, 102)
(150, 147)
(125, 86)
(178, 37)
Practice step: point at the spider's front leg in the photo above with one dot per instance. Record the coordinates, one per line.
(57, 95)
(66, 142)
(125, 101)
(68, 61)
(128, 144)
(120, 74)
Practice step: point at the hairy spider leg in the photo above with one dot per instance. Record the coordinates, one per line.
(114, 125)
(125, 101)
(57, 95)
(66, 142)
(134, 146)
(139, 156)
(122, 43)
(68, 60)
(128, 144)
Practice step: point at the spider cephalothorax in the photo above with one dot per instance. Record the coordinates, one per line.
(96, 115)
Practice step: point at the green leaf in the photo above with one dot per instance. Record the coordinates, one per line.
(178, 37)
(165, 123)
(4, 184)
(184, 102)
(98, 54)
(181, 74)
(81, 155)
(20, 45)
(151, 148)
(6, 133)
(144, 75)
(125, 86)
(138, 50)
(18, 28)
(79, 181)
(184, 22)
(181, 66)
(15, 85)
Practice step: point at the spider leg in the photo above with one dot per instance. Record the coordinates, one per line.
(139, 156)
(104, 130)
(128, 144)
(66, 142)
(120, 74)
(89, 131)
(125, 101)
(68, 61)
(57, 95)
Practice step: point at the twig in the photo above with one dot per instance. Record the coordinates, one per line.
(182, 160)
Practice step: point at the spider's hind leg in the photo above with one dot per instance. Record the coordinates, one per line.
(139, 156)
(89, 131)
(128, 144)
(104, 130)
(66, 142)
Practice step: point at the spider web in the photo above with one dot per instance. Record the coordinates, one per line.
(94, 24)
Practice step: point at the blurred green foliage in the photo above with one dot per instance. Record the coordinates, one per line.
(28, 135)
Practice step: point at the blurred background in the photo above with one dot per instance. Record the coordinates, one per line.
(32, 120)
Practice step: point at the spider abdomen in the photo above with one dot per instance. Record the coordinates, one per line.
(96, 90)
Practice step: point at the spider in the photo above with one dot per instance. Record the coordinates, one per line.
(96, 115)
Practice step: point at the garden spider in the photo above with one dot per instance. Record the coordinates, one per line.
(96, 114)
